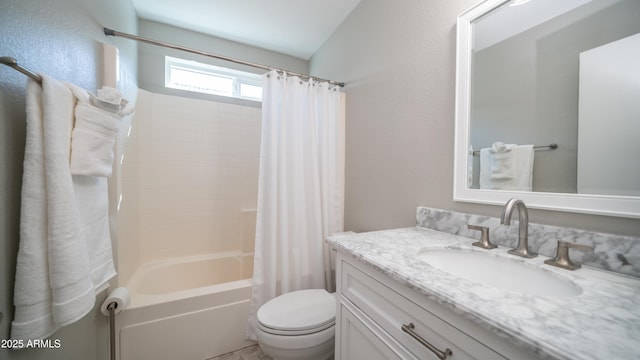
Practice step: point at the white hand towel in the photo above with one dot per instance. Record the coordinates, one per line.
(502, 162)
(523, 168)
(507, 167)
(485, 168)
(95, 131)
(93, 139)
(111, 100)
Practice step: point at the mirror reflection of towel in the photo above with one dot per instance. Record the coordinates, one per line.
(506, 167)
(470, 167)
(502, 158)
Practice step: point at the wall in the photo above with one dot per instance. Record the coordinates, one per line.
(399, 66)
(609, 78)
(192, 172)
(62, 39)
(151, 58)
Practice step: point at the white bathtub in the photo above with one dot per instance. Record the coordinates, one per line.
(187, 308)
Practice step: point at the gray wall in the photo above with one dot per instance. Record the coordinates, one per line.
(60, 38)
(152, 65)
(398, 60)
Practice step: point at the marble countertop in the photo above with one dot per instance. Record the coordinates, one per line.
(603, 322)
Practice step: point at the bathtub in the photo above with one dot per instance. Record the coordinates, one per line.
(187, 308)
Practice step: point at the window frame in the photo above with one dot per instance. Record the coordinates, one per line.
(238, 78)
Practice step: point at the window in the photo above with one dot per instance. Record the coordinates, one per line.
(204, 78)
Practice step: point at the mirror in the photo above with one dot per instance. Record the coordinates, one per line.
(543, 72)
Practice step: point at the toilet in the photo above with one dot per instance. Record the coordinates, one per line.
(298, 325)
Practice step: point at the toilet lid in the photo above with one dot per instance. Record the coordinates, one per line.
(299, 310)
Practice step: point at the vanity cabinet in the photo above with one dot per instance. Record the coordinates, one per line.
(372, 309)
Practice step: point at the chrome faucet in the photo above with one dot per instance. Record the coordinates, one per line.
(523, 227)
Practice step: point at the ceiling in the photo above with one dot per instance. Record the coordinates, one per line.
(294, 27)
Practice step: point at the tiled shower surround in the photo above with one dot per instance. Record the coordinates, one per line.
(190, 178)
(611, 252)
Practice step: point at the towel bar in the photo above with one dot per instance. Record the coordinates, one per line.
(9, 61)
(539, 147)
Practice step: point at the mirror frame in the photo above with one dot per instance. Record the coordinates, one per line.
(621, 206)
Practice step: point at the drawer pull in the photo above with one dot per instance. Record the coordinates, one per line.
(442, 355)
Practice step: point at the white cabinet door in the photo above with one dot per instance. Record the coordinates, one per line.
(358, 341)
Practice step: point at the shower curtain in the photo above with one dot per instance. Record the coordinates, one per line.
(300, 187)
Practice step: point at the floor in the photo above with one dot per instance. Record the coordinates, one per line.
(248, 353)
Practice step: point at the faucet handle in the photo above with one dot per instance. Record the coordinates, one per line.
(562, 255)
(484, 242)
(573, 245)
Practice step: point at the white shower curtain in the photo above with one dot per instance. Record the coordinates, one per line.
(301, 187)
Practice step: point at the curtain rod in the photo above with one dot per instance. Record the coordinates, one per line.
(111, 32)
(11, 62)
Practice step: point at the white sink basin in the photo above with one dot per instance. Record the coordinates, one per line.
(500, 272)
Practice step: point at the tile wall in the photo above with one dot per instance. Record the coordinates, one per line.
(192, 174)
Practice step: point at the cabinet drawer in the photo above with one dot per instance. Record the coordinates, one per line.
(390, 311)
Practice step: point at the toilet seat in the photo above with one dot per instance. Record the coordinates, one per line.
(299, 312)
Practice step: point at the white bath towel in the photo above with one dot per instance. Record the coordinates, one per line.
(32, 293)
(61, 234)
(92, 197)
(507, 167)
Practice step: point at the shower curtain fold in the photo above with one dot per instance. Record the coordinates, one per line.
(301, 187)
